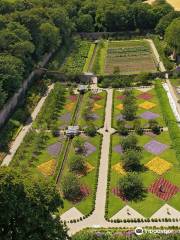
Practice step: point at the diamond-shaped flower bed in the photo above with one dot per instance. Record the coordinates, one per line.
(69, 106)
(147, 105)
(149, 115)
(150, 134)
(96, 107)
(89, 148)
(54, 149)
(120, 97)
(89, 168)
(94, 116)
(155, 147)
(120, 117)
(118, 148)
(163, 189)
(145, 96)
(66, 117)
(73, 98)
(117, 192)
(85, 191)
(47, 168)
(96, 97)
(158, 165)
(119, 106)
(119, 169)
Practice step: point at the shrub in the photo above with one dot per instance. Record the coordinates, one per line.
(91, 130)
(132, 187)
(77, 164)
(71, 187)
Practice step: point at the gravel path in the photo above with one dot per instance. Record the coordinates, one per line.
(15, 145)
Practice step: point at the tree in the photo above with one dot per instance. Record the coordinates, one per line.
(143, 78)
(153, 124)
(132, 187)
(165, 21)
(91, 130)
(71, 187)
(130, 142)
(121, 128)
(137, 127)
(50, 36)
(77, 164)
(11, 73)
(172, 35)
(27, 206)
(129, 105)
(2, 96)
(79, 145)
(85, 23)
(131, 160)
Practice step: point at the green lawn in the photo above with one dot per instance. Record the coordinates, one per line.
(23, 158)
(144, 122)
(100, 112)
(86, 205)
(151, 203)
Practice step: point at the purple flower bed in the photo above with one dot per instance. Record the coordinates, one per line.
(149, 115)
(118, 148)
(54, 149)
(94, 116)
(155, 147)
(66, 117)
(89, 148)
(120, 117)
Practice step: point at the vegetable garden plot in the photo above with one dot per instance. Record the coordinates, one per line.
(129, 57)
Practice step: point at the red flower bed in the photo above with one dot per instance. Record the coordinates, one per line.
(163, 189)
(85, 191)
(73, 98)
(120, 97)
(96, 97)
(117, 192)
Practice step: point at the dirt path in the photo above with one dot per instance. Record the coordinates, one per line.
(25, 130)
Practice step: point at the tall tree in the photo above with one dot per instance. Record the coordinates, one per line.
(27, 206)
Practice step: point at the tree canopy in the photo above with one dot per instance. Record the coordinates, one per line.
(28, 207)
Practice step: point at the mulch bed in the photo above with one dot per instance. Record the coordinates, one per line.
(54, 149)
(155, 147)
(163, 189)
(117, 192)
(150, 134)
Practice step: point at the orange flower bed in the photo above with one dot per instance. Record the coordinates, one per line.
(96, 107)
(69, 107)
(119, 106)
(147, 105)
(47, 168)
(119, 169)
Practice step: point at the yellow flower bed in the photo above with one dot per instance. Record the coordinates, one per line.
(47, 168)
(119, 169)
(120, 106)
(147, 105)
(96, 107)
(69, 106)
(158, 165)
(89, 167)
